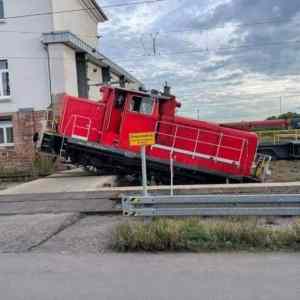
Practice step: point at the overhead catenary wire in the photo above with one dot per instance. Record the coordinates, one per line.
(196, 30)
(68, 11)
(142, 57)
(42, 32)
(202, 50)
(200, 28)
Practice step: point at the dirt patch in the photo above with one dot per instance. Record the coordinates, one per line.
(285, 171)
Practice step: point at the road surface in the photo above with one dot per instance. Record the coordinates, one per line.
(144, 276)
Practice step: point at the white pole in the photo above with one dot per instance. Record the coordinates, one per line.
(144, 170)
(172, 174)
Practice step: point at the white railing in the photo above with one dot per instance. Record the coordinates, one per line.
(196, 142)
(76, 126)
(73, 122)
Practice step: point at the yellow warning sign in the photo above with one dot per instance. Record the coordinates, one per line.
(142, 139)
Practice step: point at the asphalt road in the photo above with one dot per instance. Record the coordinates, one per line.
(141, 276)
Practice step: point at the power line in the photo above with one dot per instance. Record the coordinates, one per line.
(49, 13)
(203, 28)
(246, 46)
(242, 99)
(42, 32)
(255, 23)
(183, 52)
(132, 3)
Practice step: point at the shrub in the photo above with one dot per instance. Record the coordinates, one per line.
(199, 235)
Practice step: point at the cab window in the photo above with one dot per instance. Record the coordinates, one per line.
(143, 105)
(120, 99)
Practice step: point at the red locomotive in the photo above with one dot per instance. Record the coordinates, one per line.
(97, 134)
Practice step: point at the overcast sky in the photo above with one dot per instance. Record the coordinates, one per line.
(229, 59)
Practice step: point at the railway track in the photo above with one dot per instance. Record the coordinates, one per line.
(75, 202)
(108, 200)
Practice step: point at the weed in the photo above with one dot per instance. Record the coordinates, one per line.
(198, 235)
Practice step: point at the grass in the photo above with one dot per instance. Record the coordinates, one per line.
(201, 236)
(41, 166)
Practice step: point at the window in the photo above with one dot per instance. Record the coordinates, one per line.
(1, 10)
(6, 133)
(143, 105)
(4, 80)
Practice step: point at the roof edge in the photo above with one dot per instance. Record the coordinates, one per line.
(101, 11)
(71, 40)
(98, 9)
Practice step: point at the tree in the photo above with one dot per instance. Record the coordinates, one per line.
(286, 116)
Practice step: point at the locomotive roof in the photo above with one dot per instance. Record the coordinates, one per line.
(146, 93)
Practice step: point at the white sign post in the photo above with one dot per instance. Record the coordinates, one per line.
(142, 140)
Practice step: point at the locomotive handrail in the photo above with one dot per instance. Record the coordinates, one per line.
(204, 130)
(85, 128)
(199, 142)
(174, 138)
(73, 121)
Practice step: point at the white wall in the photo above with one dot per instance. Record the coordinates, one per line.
(81, 23)
(27, 57)
(63, 70)
(27, 60)
(94, 78)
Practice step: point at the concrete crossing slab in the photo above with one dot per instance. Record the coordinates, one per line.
(69, 181)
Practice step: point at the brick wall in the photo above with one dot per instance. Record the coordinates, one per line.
(21, 155)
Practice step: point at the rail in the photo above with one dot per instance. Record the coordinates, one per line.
(175, 138)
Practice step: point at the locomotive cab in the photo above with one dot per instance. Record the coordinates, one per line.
(135, 111)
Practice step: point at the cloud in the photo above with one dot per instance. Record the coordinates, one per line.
(232, 59)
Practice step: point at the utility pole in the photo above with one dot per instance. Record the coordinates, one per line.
(280, 104)
(154, 42)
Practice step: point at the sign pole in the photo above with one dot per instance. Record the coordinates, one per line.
(142, 139)
(144, 170)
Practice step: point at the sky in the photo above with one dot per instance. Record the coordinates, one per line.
(226, 60)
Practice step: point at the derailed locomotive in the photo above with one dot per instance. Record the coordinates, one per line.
(96, 134)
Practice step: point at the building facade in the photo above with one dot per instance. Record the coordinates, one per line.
(48, 48)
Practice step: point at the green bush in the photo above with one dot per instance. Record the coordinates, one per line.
(199, 235)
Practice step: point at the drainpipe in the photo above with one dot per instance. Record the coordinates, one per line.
(49, 74)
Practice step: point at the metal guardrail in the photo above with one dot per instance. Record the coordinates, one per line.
(212, 205)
